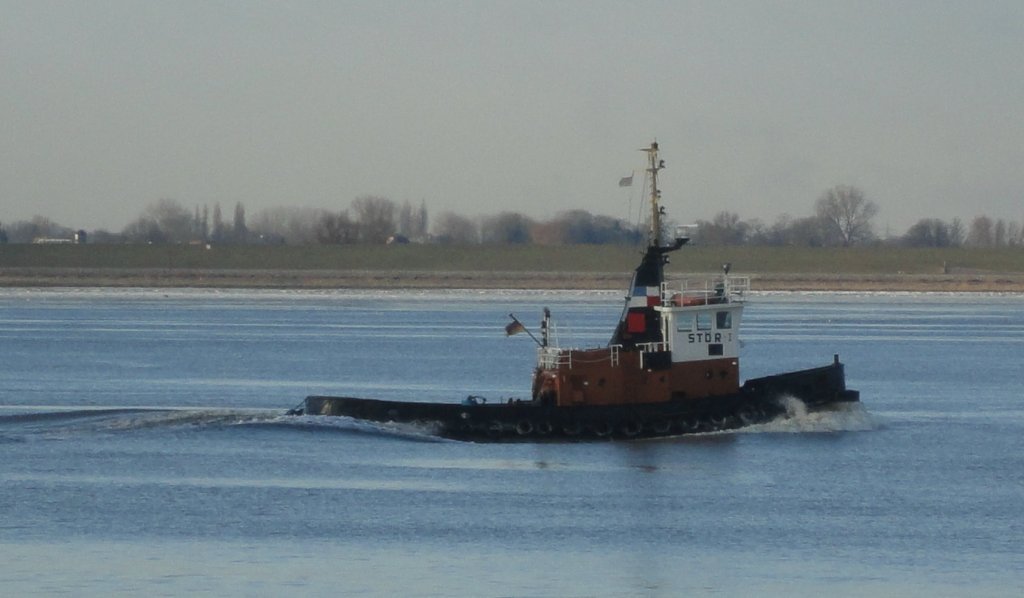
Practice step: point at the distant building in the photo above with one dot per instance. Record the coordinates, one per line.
(78, 238)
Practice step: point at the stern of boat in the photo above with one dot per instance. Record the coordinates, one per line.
(815, 386)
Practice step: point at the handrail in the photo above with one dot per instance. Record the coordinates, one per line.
(728, 289)
(553, 357)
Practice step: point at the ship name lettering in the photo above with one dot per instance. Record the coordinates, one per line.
(704, 337)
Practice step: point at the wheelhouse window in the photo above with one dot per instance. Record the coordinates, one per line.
(703, 320)
(723, 320)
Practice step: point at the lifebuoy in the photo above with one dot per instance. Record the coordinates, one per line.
(689, 301)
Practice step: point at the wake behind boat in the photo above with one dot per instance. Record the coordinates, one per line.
(670, 368)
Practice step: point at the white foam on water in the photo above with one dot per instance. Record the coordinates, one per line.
(843, 417)
(425, 432)
(189, 417)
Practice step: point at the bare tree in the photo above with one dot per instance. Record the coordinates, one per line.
(451, 228)
(507, 228)
(293, 225)
(776, 233)
(1013, 234)
(845, 215)
(582, 227)
(999, 233)
(404, 218)
(419, 231)
(39, 226)
(981, 232)
(239, 232)
(412, 222)
(928, 232)
(144, 230)
(173, 218)
(957, 234)
(335, 229)
(376, 218)
(618, 231)
(219, 232)
(757, 232)
(806, 232)
(165, 221)
(197, 223)
(725, 228)
(787, 230)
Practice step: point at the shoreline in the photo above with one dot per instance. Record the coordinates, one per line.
(415, 279)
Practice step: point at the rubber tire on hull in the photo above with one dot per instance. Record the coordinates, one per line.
(630, 428)
(524, 428)
(661, 426)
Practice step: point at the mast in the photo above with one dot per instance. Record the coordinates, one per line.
(654, 237)
(640, 322)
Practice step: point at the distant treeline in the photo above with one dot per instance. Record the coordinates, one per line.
(841, 217)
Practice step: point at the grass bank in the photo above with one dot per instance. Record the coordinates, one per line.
(533, 258)
(493, 266)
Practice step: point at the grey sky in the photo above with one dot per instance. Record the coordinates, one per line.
(538, 107)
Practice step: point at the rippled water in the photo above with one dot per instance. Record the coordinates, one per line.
(145, 451)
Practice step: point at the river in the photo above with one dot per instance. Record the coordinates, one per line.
(145, 450)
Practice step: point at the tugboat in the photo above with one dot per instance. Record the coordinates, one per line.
(670, 368)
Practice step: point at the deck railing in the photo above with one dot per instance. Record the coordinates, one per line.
(553, 357)
(728, 289)
(652, 347)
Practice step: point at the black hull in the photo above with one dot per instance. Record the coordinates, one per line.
(757, 401)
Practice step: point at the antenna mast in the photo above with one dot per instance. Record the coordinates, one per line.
(654, 165)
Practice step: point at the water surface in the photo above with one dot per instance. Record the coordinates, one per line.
(145, 450)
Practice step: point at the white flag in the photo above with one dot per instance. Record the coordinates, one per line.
(626, 181)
